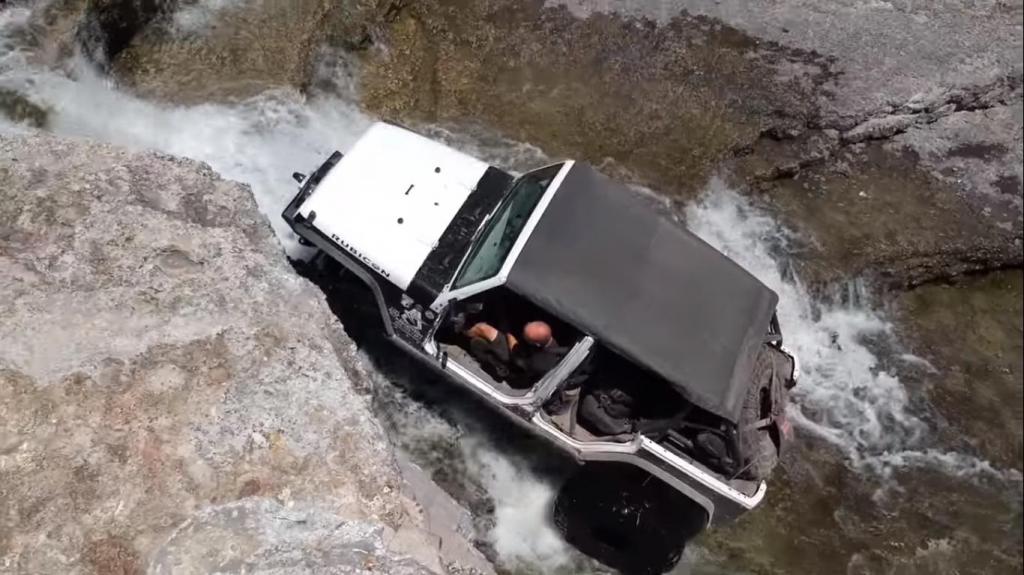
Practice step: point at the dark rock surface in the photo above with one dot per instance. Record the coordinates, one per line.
(889, 55)
(973, 331)
(20, 109)
(663, 104)
(109, 26)
(101, 29)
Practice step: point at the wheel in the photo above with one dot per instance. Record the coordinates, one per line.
(760, 445)
(627, 519)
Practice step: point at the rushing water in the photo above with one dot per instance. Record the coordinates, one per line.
(848, 396)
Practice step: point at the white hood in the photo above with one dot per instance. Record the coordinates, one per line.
(391, 197)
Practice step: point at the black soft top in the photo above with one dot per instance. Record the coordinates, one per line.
(602, 258)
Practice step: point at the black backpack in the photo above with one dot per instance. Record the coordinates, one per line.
(749, 450)
(608, 411)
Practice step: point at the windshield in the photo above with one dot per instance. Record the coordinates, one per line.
(500, 235)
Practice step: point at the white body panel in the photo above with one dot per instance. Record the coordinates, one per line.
(391, 197)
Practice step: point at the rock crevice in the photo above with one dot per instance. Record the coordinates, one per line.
(929, 108)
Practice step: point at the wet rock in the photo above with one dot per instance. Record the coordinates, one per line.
(231, 53)
(774, 158)
(875, 214)
(879, 128)
(819, 513)
(450, 526)
(667, 103)
(885, 54)
(196, 51)
(99, 29)
(50, 37)
(168, 382)
(110, 25)
(20, 109)
(235, 51)
(972, 332)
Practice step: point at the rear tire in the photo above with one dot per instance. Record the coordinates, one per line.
(627, 519)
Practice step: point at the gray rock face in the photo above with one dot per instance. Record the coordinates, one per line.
(942, 79)
(890, 53)
(159, 361)
(261, 536)
(982, 153)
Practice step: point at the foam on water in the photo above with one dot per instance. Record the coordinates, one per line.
(259, 142)
(9, 127)
(522, 535)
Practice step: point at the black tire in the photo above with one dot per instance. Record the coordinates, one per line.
(626, 519)
(760, 447)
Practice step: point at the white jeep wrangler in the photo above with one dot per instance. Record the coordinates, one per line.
(671, 360)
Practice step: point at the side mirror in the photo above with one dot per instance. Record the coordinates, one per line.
(299, 177)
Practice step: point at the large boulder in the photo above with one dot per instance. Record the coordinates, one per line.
(171, 393)
(259, 535)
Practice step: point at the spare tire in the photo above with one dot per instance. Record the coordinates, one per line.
(760, 440)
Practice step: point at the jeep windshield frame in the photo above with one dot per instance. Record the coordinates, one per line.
(496, 239)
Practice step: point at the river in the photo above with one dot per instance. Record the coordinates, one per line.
(873, 486)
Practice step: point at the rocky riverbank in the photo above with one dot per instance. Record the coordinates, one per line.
(884, 137)
(795, 116)
(173, 398)
(848, 140)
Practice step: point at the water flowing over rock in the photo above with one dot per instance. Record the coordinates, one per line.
(846, 118)
(173, 395)
(110, 25)
(862, 158)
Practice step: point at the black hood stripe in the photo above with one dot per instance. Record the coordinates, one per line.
(442, 262)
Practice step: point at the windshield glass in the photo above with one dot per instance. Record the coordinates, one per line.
(498, 237)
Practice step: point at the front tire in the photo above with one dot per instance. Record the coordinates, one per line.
(626, 518)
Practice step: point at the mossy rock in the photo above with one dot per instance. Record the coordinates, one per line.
(20, 109)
